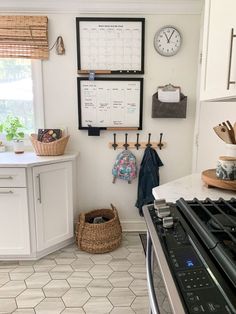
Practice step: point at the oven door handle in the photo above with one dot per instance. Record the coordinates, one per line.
(150, 283)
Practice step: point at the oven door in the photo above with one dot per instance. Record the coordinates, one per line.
(163, 293)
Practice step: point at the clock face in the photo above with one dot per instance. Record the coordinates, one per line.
(167, 41)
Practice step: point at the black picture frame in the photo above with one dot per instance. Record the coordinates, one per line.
(114, 22)
(82, 105)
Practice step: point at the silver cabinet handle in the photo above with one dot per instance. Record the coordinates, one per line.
(39, 184)
(6, 192)
(150, 283)
(230, 59)
(6, 177)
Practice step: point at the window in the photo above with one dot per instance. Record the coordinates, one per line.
(21, 91)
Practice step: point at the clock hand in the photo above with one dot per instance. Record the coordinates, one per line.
(166, 37)
(171, 35)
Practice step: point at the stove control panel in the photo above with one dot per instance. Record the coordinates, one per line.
(197, 303)
(194, 279)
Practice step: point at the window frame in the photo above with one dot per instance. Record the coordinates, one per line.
(38, 101)
(38, 96)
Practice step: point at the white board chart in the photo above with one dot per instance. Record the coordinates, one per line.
(112, 45)
(110, 103)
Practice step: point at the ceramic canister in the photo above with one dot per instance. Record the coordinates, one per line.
(230, 150)
(226, 168)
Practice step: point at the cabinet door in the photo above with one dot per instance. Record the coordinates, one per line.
(14, 222)
(219, 20)
(53, 203)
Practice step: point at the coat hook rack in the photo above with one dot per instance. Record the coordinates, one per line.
(137, 145)
(114, 145)
(149, 139)
(126, 145)
(160, 145)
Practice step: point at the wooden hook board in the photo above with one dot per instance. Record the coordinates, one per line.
(143, 145)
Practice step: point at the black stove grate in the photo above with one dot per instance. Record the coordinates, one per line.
(222, 216)
(215, 224)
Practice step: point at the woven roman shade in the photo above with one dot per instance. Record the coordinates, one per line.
(24, 37)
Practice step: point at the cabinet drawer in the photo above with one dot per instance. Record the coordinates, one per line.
(12, 177)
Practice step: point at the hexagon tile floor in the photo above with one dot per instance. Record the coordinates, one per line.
(70, 281)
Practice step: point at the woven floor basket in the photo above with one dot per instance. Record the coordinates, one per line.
(99, 238)
(49, 149)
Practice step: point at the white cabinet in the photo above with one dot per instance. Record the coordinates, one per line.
(53, 204)
(12, 177)
(36, 204)
(14, 222)
(14, 215)
(218, 69)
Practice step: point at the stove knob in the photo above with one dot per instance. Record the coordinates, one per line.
(159, 202)
(163, 211)
(168, 222)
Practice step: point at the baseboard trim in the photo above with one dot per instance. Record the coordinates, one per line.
(37, 255)
(133, 225)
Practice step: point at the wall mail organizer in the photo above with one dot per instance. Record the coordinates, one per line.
(110, 103)
(137, 145)
(164, 104)
(110, 45)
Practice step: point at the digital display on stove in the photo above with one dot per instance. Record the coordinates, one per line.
(189, 263)
(185, 258)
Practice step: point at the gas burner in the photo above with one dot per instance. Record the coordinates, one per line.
(220, 221)
(230, 245)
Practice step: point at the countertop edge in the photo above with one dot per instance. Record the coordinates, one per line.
(30, 159)
(189, 187)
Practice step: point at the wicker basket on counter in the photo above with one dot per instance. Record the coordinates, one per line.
(54, 148)
(102, 237)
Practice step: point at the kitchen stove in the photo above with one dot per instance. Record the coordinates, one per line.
(195, 246)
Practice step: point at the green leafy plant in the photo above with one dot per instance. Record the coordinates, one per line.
(13, 128)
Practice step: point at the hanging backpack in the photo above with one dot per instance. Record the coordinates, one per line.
(125, 167)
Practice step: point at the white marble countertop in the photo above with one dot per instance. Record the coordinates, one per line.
(29, 159)
(189, 187)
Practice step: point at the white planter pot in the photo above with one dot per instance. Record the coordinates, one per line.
(18, 146)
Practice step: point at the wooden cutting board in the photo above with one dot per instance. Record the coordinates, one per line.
(210, 178)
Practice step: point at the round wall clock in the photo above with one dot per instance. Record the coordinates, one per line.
(167, 41)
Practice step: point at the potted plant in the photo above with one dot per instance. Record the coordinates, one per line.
(14, 132)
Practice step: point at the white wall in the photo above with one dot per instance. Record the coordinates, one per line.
(210, 146)
(95, 188)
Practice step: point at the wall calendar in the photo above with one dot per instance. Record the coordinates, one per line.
(110, 45)
(110, 103)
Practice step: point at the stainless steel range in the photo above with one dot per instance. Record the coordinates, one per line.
(194, 243)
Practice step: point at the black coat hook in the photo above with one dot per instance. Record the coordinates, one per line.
(137, 145)
(160, 143)
(149, 139)
(126, 145)
(114, 145)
